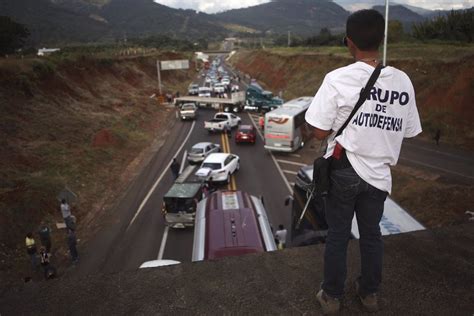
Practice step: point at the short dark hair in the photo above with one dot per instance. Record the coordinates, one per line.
(365, 28)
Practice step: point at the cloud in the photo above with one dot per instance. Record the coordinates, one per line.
(213, 6)
(210, 6)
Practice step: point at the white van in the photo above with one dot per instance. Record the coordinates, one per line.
(286, 128)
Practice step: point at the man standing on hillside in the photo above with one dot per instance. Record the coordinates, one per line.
(367, 147)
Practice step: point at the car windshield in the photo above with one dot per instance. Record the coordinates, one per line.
(197, 150)
(212, 165)
(245, 130)
(188, 107)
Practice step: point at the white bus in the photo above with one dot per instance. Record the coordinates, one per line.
(285, 127)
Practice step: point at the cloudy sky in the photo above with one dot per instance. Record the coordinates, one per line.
(212, 6)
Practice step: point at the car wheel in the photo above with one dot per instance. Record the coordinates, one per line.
(237, 168)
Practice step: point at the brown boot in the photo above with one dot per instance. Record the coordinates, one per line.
(370, 301)
(329, 304)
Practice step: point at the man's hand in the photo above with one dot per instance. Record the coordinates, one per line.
(321, 134)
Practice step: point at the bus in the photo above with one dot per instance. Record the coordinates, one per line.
(285, 128)
(313, 227)
(180, 202)
(231, 223)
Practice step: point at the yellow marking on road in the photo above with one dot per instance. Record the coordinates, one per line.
(226, 149)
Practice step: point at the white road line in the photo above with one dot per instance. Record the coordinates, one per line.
(437, 168)
(437, 151)
(159, 179)
(291, 162)
(163, 243)
(290, 172)
(183, 161)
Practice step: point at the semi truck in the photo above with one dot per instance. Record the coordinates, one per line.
(260, 100)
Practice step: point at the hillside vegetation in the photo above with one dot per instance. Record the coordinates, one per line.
(77, 122)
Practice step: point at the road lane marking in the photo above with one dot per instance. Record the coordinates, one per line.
(291, 162)
(183, 161)
(437, 168)
(145, 200)
(290, 172)
(163, 243)
(437, 151)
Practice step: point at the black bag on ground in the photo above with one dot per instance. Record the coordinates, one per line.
(321, 165)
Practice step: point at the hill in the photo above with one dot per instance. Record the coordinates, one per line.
(401, 13)
(60, 21)
(304, 17)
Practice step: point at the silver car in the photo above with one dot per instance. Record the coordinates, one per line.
(201, 150)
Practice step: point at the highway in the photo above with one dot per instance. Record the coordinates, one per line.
(134, 231)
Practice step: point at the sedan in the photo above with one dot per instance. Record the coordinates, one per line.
(219, 167)
(200, 151)
(246, 134)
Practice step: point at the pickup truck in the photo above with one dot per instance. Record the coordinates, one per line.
(188, 111)
(221, 121)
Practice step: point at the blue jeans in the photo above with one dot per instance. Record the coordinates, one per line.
(349, 194)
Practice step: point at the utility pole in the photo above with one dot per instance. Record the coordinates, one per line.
(386, 34)
(159, 76)
(289, 38)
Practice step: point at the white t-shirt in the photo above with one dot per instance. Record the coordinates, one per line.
(374, 136)
(281, 235)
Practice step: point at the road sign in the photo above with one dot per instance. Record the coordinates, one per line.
(174, 64)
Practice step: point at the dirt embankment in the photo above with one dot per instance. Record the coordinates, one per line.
(75, 122)
(445, 95)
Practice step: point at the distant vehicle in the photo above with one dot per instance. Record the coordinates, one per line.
(221, 121)
(179, 203)
(219, 88)
(285, 128)
(235, 88)
(219, 167)
(225, 81)
(201, 150)
(245, 134)
(193, 89)
(204, 92)
(257, 99)
(313, 228)
(231, 223)
(188, 111)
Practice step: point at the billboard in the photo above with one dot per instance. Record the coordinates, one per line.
(174, 64)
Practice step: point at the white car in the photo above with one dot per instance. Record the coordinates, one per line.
(219, 88)
(200, 151)
(219, 167)
(225, 81)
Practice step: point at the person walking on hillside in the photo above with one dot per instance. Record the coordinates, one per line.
(437, 136)
(280, 235)
(67, 215)
(45, 237)
(48, 269)
(72, 245)
(175, 168)
(31, 250)
(361, 155)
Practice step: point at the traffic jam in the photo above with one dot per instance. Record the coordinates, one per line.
(205, 196)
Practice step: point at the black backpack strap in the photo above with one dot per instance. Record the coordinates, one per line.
(363, 96)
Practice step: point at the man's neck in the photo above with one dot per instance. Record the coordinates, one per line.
(368, 57)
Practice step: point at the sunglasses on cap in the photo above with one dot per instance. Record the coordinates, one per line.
(344, 41)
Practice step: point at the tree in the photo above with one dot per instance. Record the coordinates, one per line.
(12, 35)
(395, 31)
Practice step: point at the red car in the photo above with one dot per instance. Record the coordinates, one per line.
(245, 134)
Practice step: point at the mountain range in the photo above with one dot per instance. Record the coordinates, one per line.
(79, 21)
